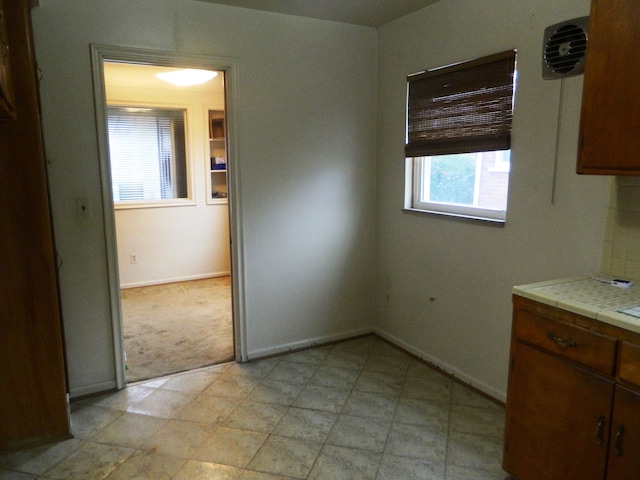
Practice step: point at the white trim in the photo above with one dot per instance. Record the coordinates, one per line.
(445, 367)
(311, 342)
(164, 281)
(101, 53)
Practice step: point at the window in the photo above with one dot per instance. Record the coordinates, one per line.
(147, 154)
(458, 147)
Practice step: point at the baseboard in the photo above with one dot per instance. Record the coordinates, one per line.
(312, 342)
(443, 366)
(163, 281)
(92, 389)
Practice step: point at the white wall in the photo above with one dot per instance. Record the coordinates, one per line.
(182, 242)
(449, 281)
(306, 111)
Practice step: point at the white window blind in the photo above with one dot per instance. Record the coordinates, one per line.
(147, 153)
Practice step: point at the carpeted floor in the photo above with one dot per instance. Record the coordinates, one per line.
(177, 327)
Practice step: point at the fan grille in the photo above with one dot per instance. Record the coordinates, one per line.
(565, 47)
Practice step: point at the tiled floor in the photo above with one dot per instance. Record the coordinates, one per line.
(356, 410)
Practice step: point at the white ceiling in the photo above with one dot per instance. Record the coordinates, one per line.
(370, 13)
(143, 76)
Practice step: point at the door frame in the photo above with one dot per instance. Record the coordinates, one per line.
(102, 53)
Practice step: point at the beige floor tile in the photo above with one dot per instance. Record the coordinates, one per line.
(255, 370)
(345, 411)
(276, 392)
(229, 446)
(396, 365)
(197, 470)
(477, 420)
(461, 473)
(312, 425)
(232, 386)
(290, 457)
(40, 459)
(396, 468)
(162, 403)
(148, 466)
(253, 475)
(380, 382)
(178, 438)
(360, 432)
(327, 399)
(292, 372)
(91, 461)
(335, 377)
(87, 420)
(417, 441)
(342, 463)
(256, 417)
(436, 390)
(371, 405)
(191, 382)
(461, 395)
(413, 411)
(208, 409)
(346, 359)
(120, 400)
(12, 475)
(474, 451)
(129, 430)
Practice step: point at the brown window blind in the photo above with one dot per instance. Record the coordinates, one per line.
(466, 107)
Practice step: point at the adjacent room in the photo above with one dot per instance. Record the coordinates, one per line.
(167, 159)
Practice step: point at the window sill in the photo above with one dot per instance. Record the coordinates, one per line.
(456, 216)
(142, 204)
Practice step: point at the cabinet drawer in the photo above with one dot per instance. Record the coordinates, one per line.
(591, 349)
(629, 364)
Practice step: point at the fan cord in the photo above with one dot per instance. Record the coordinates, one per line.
(557, 149)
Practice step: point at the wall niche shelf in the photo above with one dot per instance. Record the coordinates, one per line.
(217, 165)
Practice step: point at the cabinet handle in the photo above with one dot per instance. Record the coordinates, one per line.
(618, 446)
(599, 428)
(563, 342)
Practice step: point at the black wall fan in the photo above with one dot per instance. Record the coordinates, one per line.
(564, 48)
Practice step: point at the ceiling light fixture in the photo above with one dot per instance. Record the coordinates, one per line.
(187, 77)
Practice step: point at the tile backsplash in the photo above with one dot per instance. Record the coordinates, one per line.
(621, 244)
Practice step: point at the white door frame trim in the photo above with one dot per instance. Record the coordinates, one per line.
(101, 53)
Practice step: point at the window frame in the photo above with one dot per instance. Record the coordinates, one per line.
(189, 200)
(415, 166)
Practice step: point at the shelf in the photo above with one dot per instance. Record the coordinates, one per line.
(217, 177)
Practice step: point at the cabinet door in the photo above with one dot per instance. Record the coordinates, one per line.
(609, 143)
(557, 419)
(33, 402)
(624, 449)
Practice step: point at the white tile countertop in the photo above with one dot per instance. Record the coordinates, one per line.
(592, 296)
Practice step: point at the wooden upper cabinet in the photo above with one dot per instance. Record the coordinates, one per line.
(609, 141)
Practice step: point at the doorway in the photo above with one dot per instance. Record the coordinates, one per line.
(174, 279)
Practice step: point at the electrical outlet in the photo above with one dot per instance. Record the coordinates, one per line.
(133, 257)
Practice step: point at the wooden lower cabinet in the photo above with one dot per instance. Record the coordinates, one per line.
(555, 403)
(624, 447)
(569, 415)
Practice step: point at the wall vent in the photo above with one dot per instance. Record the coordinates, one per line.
(564, 48)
